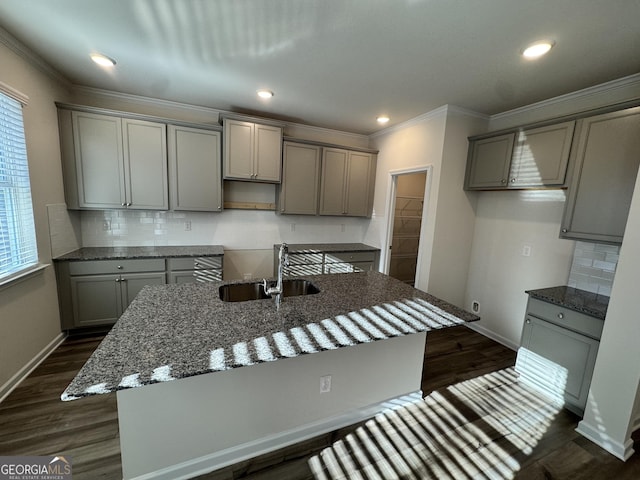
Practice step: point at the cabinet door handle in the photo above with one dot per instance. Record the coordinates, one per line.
(561, 315)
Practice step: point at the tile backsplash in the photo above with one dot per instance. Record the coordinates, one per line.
(594, 266)
(237, 229)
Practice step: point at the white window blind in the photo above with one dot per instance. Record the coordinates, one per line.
(18, 249)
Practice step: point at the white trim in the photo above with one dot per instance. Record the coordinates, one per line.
(31, 57)
(22, 275)
(217, 113)
(15, 94)
(390, 213)
(25, 371)
(142, 100)
(630, 81)
(438, 112)
(604, 441)
(493, 336)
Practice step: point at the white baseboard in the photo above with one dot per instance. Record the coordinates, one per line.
(493, 336)
(621, 450)
(25, 371)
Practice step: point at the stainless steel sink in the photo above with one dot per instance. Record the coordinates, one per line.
(241, 292)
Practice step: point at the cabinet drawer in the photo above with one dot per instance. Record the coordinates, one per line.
(350, 257)
(93, 267)
(303, 258)
(194, 263)
(566, 318)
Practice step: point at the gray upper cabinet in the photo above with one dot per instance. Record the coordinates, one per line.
(252, 151)
(347, 180)
(605, 158)
(489, 161)
(195, 169)
(529, 158)
(541, 155)
(113, 162)
(298, 193)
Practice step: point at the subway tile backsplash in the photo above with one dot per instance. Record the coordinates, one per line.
(594, 266)
(235, 229)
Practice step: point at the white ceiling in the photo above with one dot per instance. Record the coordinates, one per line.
(334, 63)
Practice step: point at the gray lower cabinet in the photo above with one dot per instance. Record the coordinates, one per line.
(193, 270)
(195, 169)
(113, 162)
(558, 352)
(347, 180)
(314, 260)
(95, 293)
(298, 193)
(605, 158)
(528, 158)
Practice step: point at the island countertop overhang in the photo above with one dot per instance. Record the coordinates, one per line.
(177, 331)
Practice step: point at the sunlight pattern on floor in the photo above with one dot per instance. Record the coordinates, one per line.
(477, 429)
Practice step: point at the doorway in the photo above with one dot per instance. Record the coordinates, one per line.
(406, 211)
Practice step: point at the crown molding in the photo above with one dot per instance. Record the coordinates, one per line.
(31, 57)
(219, 114)
(142, 100)
(631, 81)
(439, 112)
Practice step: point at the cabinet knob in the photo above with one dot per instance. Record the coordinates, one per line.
(527, 321)
(128, 204)
(513, 180)
(503, 181)
(119, 267)
(118, 280)
(123, 204)
(196, 264)
(561, 315)
(564, 230)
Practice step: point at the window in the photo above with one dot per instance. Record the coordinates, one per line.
(18, 249)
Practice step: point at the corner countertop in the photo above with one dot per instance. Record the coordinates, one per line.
(181, 330)
(119, 253)
(574, 299)
(328, 247)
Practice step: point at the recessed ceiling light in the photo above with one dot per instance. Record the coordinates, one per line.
(265, 93)
(103, 60)
(537, 49)
(382, 119)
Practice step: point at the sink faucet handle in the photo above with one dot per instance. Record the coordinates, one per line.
(265, 286)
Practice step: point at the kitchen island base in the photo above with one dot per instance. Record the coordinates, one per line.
(191, 426)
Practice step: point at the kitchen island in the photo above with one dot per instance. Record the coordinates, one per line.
(201, 408)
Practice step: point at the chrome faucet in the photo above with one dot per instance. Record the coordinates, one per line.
(283, 260)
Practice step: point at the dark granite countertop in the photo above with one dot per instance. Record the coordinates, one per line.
(328, 247)
(117, 253)
(574, 299)
(176, 331)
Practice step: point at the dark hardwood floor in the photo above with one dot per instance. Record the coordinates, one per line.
(33, 420)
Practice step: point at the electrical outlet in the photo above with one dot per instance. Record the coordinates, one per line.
(247, 276)
(526, 250)
(342, 227)
(475, 306)
(187, 225)
(106, 225)
(325, 384)
(293, 227)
